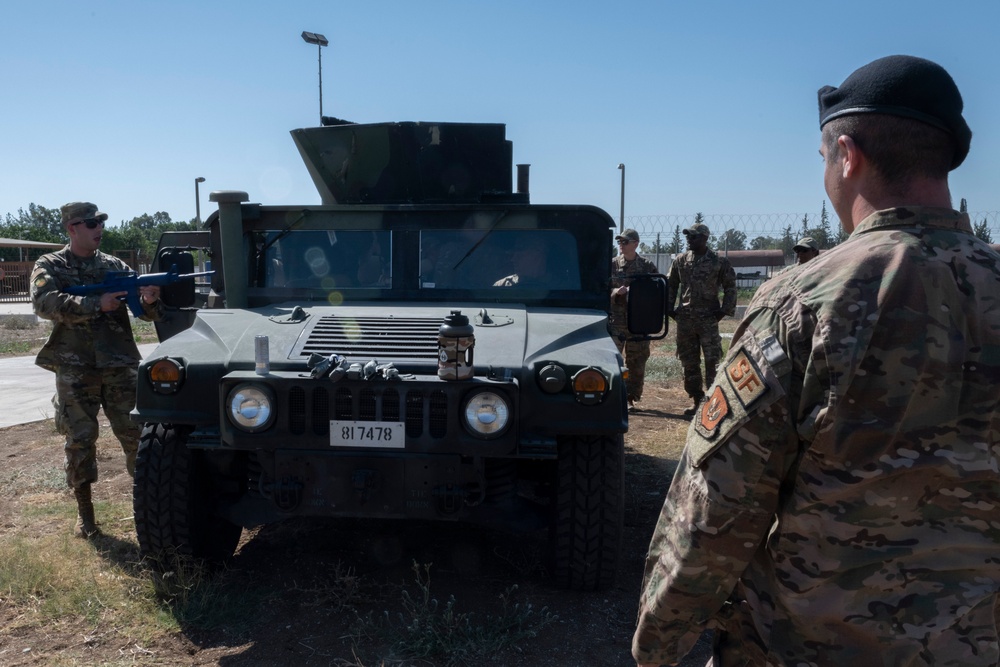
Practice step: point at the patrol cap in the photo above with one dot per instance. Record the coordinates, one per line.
(806, 243)
(901, 86)
(628, 235)
(80, 210)
(697, 229)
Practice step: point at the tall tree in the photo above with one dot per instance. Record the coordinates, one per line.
(824, 225)
(787, 241)
(982, 231)
(675, 242)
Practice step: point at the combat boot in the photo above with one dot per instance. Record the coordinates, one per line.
(694, 408)
(86, 524)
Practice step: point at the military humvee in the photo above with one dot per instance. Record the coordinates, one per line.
(340, 410)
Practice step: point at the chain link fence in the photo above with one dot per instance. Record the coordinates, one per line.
(764, 231)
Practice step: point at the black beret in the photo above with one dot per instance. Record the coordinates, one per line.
(901, 86)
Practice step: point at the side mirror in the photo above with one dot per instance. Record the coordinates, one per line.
(647, 306)
(181, 294)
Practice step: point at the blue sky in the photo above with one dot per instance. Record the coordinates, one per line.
(710, 105)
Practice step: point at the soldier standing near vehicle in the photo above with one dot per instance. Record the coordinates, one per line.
(91, 350)
(624, 265)
(838, 500)
(696, 277)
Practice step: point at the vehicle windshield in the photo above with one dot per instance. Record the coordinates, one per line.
(558, 256)
(329, 260)
(521, 259)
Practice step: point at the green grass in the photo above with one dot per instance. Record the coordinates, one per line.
(144, 332)
(101, 592)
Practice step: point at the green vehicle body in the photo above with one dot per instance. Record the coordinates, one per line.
(417, 220)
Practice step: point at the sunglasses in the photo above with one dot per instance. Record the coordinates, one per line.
(92, 223)
(624, 241)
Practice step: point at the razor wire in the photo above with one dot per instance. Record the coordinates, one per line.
(757, 231)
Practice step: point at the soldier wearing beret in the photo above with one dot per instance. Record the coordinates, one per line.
(695, 279)
(91, 350)
(627, 263)
(838, 500)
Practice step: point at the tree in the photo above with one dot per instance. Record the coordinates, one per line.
(824, 226)
(982, 231)
(731, 239)
(765, 243)
(657, 247)
(675, 243)
(37, 224)
(787, 241)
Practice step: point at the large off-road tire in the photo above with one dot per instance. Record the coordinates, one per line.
(588, 517)
(172, 499)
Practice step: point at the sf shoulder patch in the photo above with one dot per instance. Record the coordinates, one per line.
(746, 384)
(745, 379)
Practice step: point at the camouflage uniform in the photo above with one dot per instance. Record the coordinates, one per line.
(698, 280)
(838, 501)
(635, 352)
(93, 355)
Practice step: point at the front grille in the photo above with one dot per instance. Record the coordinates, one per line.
(424, 411)
(383, 338)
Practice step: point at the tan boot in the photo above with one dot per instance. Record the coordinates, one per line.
(86, 524)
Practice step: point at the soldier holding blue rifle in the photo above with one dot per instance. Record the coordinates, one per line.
(91, 349)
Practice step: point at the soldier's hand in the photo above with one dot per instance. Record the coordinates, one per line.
(149, 294)
(110, 301)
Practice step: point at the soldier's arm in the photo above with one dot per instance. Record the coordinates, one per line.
(722, 501)
(673, 282)
(728, 281)
(152, 312)
(50, 303)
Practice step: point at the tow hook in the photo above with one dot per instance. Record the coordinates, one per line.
(451, 497)
(364, 482)
(286, 493)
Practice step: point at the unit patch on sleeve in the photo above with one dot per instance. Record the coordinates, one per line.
(714, 410)
(745, 379)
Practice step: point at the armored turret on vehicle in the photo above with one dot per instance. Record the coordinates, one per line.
(424, 344)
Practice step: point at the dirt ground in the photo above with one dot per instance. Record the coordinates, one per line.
(294, 624)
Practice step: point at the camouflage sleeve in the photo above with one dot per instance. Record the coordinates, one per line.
(617, 280)
(723, 498)
(673, 283)
(727, 279)
(152, 312)
(51, 303)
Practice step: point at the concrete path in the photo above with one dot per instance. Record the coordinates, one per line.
(25, 389)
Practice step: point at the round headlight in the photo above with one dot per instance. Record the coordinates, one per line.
(251, 407)
(166, 375)
(487, 414)
(590, 386)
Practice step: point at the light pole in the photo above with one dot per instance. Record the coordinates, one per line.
(197, 199)
(621, 219)
(320, 41)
